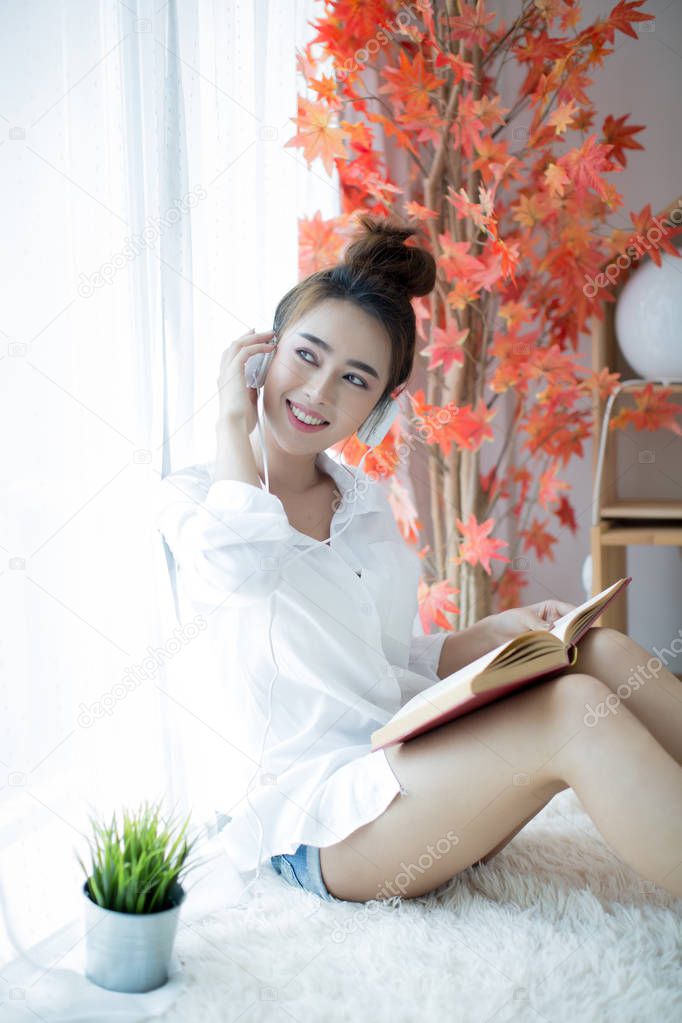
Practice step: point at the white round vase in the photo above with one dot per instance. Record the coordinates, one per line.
(648, 319)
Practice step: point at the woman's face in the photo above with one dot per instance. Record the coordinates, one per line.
(338, 377)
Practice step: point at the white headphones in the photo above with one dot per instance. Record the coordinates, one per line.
(255, 371)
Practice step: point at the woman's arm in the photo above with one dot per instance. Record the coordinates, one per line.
(463, 647)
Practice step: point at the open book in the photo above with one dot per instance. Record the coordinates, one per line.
(509, 667)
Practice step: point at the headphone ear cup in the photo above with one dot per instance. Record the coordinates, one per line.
(256, 368)
(373, 435)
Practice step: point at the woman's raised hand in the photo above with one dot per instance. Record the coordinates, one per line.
(238, 401)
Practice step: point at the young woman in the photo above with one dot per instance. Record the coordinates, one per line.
(334, 625)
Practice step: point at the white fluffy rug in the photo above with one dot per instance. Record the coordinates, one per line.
(555, 928)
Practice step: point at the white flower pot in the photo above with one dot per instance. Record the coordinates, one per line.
(129, 951)
(648, 319)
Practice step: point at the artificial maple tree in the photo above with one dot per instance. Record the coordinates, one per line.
(515, 233)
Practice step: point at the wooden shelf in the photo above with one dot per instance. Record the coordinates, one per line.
(642, 510)
(622, 523)
(658, 534)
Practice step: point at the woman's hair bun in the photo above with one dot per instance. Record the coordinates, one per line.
(380, 249)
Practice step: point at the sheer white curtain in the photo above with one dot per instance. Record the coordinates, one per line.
(150, 217)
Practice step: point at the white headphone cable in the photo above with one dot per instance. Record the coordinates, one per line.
(271, 604)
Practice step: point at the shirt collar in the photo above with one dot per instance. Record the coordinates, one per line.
(369, 495)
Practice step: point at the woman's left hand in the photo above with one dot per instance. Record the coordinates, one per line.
(507, 624)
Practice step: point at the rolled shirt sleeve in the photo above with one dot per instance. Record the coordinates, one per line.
(228, 537)
(425, 653)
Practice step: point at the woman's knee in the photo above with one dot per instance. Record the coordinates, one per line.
(602, 640)
(573, 695)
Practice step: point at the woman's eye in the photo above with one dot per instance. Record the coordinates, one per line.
(305, 351)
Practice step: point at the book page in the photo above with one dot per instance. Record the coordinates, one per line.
(572, 623)
(522, 647)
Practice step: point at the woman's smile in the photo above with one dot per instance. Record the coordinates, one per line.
(299, 423)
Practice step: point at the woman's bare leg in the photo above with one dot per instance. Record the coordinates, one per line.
(638, 679)
(473, 781)
(633, 674)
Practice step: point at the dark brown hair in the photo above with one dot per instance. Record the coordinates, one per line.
(380, 274)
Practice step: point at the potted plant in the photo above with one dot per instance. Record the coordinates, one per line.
(133, 894)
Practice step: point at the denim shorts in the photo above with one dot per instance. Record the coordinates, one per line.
(302, 869)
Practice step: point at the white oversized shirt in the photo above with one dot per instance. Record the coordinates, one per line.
(345, 640)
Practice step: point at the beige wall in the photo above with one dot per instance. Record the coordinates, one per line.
(643, 78)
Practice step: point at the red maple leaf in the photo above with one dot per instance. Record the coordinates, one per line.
(470, 24)
(538, 539)
(643, 222)
(477, 547)
(550, 486)
(621, 16)
(619, 135)
(433, 602)
(508, 588)
(566, 514)
(584, 164)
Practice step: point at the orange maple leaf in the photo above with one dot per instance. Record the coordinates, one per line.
(556, 179)
(653, 411)
(530, 209)
(516, 312)
(466, 129)
(446, 348)
(550, 486)
(604, 381)
(463, 292)
(585, 163)
(326, 88)
(317, 135)
(404, 510)
(462, 70)
(456, 260)
(402, 138)
(320, 243)
(465, 208)
(410, 81)
(414, 209)
(478, 547)
(471, 426)
(562, 117)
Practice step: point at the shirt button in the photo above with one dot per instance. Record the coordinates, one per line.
(365, 608)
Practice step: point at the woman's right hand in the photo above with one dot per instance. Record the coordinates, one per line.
(238, 401)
